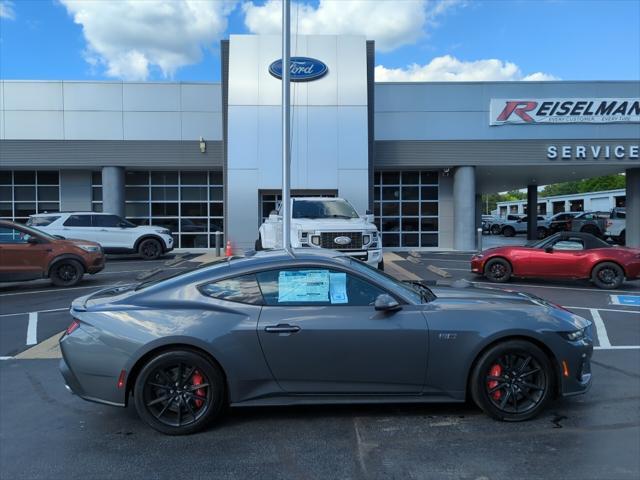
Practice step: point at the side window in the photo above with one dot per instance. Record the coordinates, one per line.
(315, 286)
(569, 244)
(240, 289)
(78, 221)
(11, 235)
(111, 221)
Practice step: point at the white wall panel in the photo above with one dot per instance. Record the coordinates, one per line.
(22, 125)
(269, 147)
(93, 125)
(353, 186)
(152, 126)
(353, 147)
(323, 150)
(242, 209)
(352, 70)
(269, 90)
(32, 95)
(324, 48)
(244, 53)
(201, 97)
(100, 96)
(151, 97)
(243, 137)
(299, 146)
(201, 124)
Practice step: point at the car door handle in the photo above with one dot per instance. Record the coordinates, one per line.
(282, 328)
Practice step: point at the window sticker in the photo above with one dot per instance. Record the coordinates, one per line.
(303, 286)
(338, 287)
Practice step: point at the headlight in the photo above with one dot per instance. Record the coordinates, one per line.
(477, 257)
(315, 239)
(366, 239)
(573, 336)
(164, 231)
(90, 248)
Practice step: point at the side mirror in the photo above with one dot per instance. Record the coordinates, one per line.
(33, 240)
(386, 303)
(548, 249)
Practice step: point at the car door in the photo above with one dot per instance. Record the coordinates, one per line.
(20, 259)
(77, 226)
(320, 333)
(561, 258)
(110, 231)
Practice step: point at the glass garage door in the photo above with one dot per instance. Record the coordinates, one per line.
(406, 208)
(25, 192)
(189, 203)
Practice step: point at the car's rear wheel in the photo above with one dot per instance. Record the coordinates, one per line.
(512, 381)
(498, 270)
(542, 233)
(508, 231)
(66, 273)
(150, 249)
(258, 245)
(607, 275)
(179, 392)
(495, 229)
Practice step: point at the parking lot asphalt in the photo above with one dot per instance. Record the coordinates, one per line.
(47, 433)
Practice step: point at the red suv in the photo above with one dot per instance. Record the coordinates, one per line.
(28, 254)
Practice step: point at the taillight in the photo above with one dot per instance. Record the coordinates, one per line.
(72, 328)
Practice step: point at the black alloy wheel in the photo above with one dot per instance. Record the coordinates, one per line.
(258, 245)
(150, 249)
(542, 233)
(512, 381)
(497, 270)
(495, 229)
(179, 392)
(66, 273)
(508, 231)
(607, 275)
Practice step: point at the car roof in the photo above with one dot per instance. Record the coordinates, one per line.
(590, 241)
(330, 199)
(49, 214)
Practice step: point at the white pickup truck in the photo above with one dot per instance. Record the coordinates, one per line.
(318, 222)
(616, 225)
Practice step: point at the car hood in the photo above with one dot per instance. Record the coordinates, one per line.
(329, 224)
(76, 242)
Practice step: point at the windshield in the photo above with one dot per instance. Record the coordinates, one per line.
(37, 232)
(323, 209)
(416, 292)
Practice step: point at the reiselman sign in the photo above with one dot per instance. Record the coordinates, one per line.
(564, 110)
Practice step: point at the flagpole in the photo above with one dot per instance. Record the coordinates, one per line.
(286, 125)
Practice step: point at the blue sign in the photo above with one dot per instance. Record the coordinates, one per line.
(632, 300)
(301, 69)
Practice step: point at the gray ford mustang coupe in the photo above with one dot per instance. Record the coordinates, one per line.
(278, 328)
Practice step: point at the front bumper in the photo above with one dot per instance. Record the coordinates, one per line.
(97, 264)
(372, 257)
(477, 266)
(577, 377)
(168, 243)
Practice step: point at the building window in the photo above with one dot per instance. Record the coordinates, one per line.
(189, 203)
(24, 193)
(406, 208)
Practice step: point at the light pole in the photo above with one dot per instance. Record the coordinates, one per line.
(286, 126)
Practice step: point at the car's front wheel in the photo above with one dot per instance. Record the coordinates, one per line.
(512, 381)
(258, 245)
(607, 275)
(179, 392)
(508, 231)
(66, 273)
(498, 270)
(150, 249)
(495, 229)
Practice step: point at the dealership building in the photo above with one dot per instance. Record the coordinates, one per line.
(206, 157)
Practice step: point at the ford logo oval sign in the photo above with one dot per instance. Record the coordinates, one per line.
(302, 69)
(342, 240)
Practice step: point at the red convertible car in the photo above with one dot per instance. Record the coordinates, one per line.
(569, 255)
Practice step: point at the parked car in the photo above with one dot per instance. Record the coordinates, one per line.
(317, 327)
(615, 226)
(561, 222)
(321, 222)
(29, 254)
(112, 232)
(590, 222)
(564, 255)
(512, 227)
(491, 224)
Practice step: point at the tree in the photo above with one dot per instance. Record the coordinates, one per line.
(596, 184)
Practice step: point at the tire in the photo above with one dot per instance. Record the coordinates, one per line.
(150, 249)
(542, 233)
(508, 231)
(381, 265)
(495, 229)
(66, 273)
(607, 275)
(591, 229)
(196, 407)
(498, 270)
(258, 245)
(508, 397)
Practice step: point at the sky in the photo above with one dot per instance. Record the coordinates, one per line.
(416, 40)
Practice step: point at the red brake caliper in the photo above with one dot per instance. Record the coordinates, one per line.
(495, 371)
(197, 379)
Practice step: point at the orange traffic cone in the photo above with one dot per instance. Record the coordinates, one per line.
(227, 250)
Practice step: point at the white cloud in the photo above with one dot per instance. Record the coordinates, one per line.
(448, 68)
(129, 37)
(391, 24)
(6, 10)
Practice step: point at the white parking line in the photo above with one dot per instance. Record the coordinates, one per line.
(603, 338)
(32, 329)
(39, 311)
(602, 309)
(619, 347)
(6, 358)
